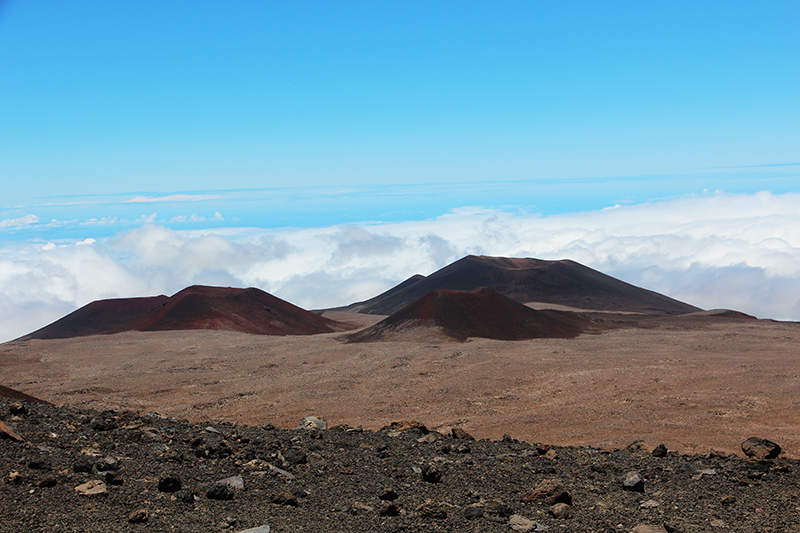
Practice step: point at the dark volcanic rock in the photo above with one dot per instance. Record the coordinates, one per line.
(221, 491)
(169, 484)
(347, 484)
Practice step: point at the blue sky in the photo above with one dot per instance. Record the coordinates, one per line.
(257, 122)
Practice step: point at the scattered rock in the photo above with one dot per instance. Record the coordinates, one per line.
(260, 529)
(660, 451)
(284, 498)
(221, 491)
(472, 512)
(633, 482)
(388, 495)
(560, 510)
(520, 523)
(106, 464)
(139, 516)
(496, 507)
(14, 478)
(40, 463)
(83, 464)
(429, 509)
(92, 488)
(458, 433)
(48, 482)
(235, 482)
(757, 448)
(295, 456)
(549, 492)
(18, 409)
(357, 508)
(649, 504)
(646, 528)
(431, 474)
(184, 495)
(169, 484)
(407, 425)
(312, 422)
(390, 509)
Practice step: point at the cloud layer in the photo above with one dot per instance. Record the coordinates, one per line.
(721, 250)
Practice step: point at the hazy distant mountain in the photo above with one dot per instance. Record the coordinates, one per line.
(476, 313)
(528, 280)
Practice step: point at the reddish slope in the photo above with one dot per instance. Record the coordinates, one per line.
(529, 280)
(476, 313)
(97, 317)
(247, 310)
(7, 392)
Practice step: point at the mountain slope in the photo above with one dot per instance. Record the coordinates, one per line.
(528, 280)
(97, 317)
(223, 308)
(477, 313)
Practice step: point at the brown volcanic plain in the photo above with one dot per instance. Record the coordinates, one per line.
(696, 382)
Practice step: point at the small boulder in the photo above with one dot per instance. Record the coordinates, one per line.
(169, 484)
(660, 451)
(429, 509)
(431, 474)
(757, 448)
(312, 422)
(284, 498)
(549, 492)
(458, 433)
(520, 523)
(560, 510)
(390, 509)
(139, 516)
(184, 495)
(221, 491)
(633, 482)
(472, 512)
(92, 488)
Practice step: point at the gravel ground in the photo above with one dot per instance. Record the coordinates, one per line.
(157, 473)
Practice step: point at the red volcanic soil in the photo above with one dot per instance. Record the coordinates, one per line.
(97, 317)
(476, 313)
(528, 280)
(7, 392)
(246, 310)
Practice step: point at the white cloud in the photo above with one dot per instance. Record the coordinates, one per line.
(16, 223)
(733, 251)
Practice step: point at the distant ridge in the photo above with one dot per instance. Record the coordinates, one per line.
(527, 280)
(97, 317)
(477, 313)
(224, 308)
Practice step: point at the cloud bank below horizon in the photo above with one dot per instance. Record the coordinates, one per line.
(738, 251)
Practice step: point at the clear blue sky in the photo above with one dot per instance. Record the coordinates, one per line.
(105, 97)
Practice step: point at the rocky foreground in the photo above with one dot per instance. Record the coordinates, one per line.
(67, 469)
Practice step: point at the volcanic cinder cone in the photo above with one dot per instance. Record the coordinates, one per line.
(477, 313)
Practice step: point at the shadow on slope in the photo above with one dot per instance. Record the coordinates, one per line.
(476, 313)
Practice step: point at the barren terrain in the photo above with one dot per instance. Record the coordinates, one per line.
(693, 383)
